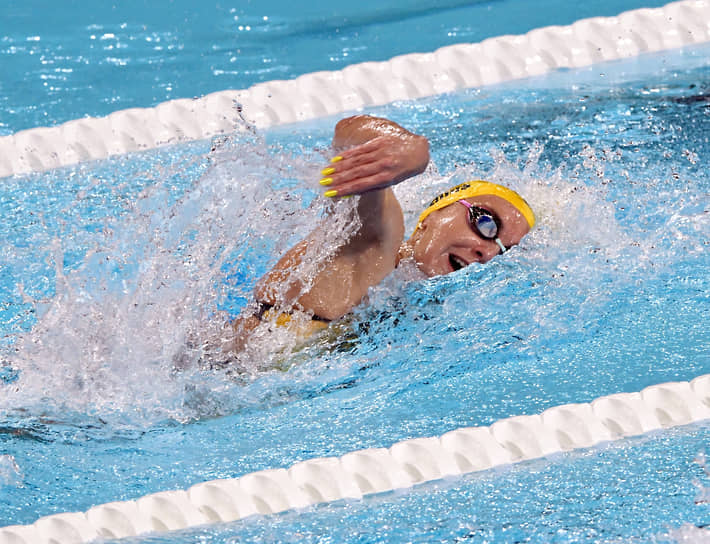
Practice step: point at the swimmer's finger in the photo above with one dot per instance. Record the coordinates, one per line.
(346, 165)
(355, 171)
(367, 177)
(374, 182)
(349, 169)
(370, 151)
(368, 160)
(364, 148)
(376, 164)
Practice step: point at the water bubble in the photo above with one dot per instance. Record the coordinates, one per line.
(10, 473)
(691, 156)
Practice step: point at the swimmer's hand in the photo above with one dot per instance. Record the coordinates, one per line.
(383, 155)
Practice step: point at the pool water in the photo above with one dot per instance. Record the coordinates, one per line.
(62, 61)
(110, 269)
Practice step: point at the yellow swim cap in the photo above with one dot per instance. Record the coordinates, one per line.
(478, 188)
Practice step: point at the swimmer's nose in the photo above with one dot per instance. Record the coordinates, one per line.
(485, 252)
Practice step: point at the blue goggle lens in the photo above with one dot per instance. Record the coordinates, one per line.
(483, 222)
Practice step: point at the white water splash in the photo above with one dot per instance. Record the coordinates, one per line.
(123, 337)
(690, 534)
(10, 473)
(107, 342)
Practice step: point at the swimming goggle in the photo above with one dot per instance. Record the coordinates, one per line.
(472, 189)
(483, 223)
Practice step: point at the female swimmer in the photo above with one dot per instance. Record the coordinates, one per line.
(473, 222)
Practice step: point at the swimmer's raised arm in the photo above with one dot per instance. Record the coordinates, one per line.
(373, 155)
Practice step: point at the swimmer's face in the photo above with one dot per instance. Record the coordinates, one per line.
(446, 242)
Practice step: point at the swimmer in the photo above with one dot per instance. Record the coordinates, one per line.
(472, 222)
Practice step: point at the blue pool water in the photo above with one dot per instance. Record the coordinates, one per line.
(110, 268)
(608, 294)
(61, 61)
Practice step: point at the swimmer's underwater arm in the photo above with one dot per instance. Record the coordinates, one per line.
(376, 154)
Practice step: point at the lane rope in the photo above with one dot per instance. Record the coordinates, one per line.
(320, 94)
(377, 470)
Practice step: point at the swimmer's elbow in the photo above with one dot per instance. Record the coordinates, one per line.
(420, 152)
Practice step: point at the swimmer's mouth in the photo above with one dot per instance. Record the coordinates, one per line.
(456, 262)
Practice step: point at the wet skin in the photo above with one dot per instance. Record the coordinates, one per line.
(445, 241)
